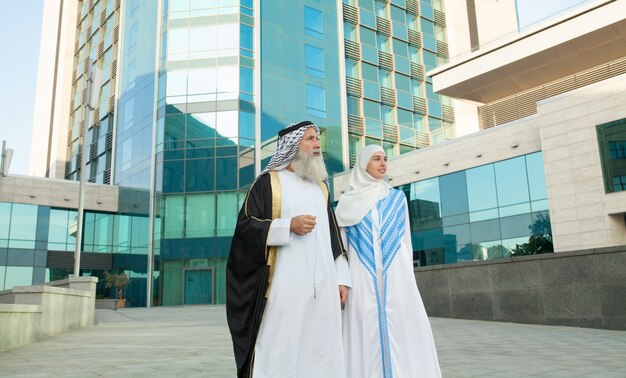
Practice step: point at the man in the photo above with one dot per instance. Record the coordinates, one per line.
(287, 270)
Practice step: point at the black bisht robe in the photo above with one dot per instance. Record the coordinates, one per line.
(249, 268)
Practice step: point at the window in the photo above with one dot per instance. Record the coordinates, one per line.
(246, 86)
(313, 25)
(247, 40)
(314, 60)
(612, 143)
(315, 101)
(368, 36)
(349, 31)
(352, 68)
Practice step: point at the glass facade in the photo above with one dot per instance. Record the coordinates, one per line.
(612, 143)
(487, 212)
(204, 144)
(37, 245)
(97, 37)
(300, 77)
(388, 48)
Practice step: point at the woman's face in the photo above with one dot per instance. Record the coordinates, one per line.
(377, 166)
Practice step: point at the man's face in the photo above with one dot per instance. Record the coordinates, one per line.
(310, 142)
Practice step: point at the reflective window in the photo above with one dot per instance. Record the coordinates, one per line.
(512, 186)
(200, 215)
(368, 36)
(18, 276)
(227, 209)
(315, 101)
(173, 216)
(314, 60)
(463, 217)
(313, 25)
(612, 144)
(23, 227)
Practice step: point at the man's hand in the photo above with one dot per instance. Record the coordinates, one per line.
(343, 294)
(302, 224)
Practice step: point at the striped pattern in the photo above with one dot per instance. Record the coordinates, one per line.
(287, 147)
(392, 212)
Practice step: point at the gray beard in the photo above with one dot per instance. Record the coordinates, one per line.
(309, 166)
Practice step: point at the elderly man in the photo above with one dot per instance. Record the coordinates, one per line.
(287, 271)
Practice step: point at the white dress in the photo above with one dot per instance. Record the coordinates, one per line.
(300, 334)
(384, 313)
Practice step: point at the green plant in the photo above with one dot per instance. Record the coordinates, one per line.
(118, 281)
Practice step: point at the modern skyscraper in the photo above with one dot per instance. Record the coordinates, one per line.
(192, 95)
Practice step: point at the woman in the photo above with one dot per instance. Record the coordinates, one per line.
(386, 331)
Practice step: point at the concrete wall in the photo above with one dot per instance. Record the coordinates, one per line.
(584, 288)
(29, 313)
(58, 193)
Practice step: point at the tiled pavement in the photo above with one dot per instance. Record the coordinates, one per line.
(194, 342)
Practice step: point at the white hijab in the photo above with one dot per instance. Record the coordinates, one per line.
(364, 190)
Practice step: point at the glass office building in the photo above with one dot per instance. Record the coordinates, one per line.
(193, 93)
(486, 212)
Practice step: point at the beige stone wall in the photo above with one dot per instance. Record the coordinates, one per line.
(583, 216)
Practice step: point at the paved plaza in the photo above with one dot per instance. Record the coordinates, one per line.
(194, 342)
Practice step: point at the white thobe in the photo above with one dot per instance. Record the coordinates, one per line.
(300, 334)
(411, 346)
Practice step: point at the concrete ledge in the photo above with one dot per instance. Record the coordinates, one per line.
(583, 288)
(29, 313)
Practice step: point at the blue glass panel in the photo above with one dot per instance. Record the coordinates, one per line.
(371, 109)
(400, 31)
(246, 125)
(314, 60)
(246, 80)
(373, 128)
(371, 90)
(173, 176)
(405, 100)
(429, 42)
(434, 109)
(485, 230)
(481, 188)
(369, 54)
(400, 3)
(23, 226)
(5, 220)
(515, 226)
(200, 175)
(313, 24)
(511, 181)
(520, 208)
(368, 36)
(402, 64)
(430, 60)
(247, 39)
(226, 173)
(483, 215)
(539, 205)
(536, 176)
(460, 232)
(367, 18)
(315, 101)
(453, 194)
(426, 10)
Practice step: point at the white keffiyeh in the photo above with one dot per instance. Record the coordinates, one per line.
(288, 142)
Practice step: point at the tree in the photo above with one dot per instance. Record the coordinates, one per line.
(118, 281)
(540, 240)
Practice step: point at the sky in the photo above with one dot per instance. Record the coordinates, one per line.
(20, 30)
